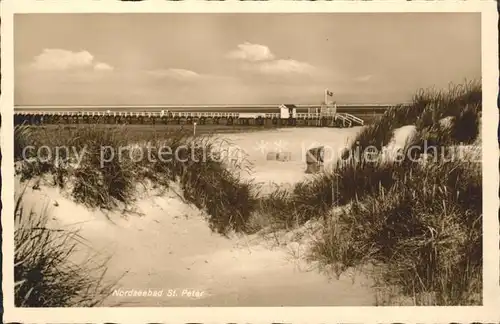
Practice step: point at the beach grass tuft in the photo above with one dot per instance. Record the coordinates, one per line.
(45, 272)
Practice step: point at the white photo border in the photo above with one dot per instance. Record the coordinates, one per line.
(491, 289)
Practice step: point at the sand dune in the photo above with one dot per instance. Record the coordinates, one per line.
(166, 244)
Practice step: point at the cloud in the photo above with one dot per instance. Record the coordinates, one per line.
(364, 78)
(251, 52)
(103, 67)
(259, 58)
(285, 67)
(62, 60)
(178, 74)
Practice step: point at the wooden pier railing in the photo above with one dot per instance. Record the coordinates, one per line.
(185, 117)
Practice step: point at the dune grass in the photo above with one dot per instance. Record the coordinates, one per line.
(460, 101)
(45, 274)
(419, 221)
(113, 163)
(425, 228)
(203, 175)
(355, 178)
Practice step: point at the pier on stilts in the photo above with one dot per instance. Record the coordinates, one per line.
(286, 115)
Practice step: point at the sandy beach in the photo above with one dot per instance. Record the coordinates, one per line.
(297, 142)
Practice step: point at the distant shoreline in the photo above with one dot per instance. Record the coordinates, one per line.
(211, 108)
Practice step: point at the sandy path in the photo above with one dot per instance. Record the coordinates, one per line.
(171, 247)
(167, 245)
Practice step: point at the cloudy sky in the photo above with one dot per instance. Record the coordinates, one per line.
(70, 59)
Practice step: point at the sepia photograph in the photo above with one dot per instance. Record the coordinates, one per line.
(222, 159)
